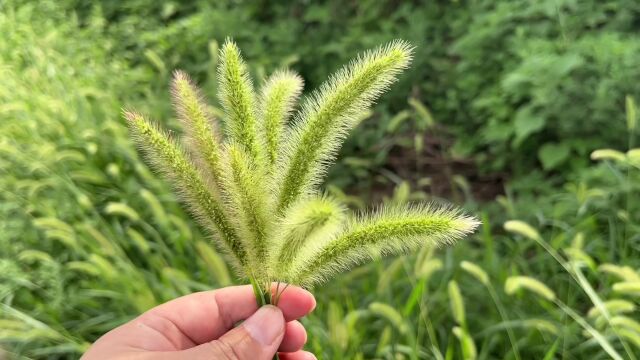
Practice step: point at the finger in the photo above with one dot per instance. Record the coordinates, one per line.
(205, 316)
(257, 338)
(298, 355)
(295, 302)
(295, 336)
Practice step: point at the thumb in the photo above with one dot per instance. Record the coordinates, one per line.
(258, 338)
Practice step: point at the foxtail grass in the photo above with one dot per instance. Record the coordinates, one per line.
(255, 184)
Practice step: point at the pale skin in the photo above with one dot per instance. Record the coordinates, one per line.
(219, 324)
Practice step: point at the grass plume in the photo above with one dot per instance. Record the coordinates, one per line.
(166, 156)
(200, 132)
(256, 187)
(388, 231)
(248, 205)
(238, 98)
(307, 222)
(329, 113)
(278, 99)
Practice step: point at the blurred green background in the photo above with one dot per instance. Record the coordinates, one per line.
(519, 110)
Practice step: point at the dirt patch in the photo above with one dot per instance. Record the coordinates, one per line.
(436, 172)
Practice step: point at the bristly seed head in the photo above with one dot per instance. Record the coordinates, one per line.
(256, 189)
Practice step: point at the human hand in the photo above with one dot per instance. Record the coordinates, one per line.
(201, 326)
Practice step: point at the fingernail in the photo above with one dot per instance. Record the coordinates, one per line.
(313, 306)
(310, 356)
(265, 325)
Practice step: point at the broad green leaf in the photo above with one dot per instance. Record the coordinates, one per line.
(553, 154)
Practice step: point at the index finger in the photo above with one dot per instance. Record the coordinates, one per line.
(207, 315)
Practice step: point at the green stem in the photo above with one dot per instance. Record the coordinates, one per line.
(505, 318)
(604, 343)
(576, 274)
(263, 297)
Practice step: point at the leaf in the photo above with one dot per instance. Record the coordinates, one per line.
(563, 65)
(527, 123)
(551, 353)
(553, 154)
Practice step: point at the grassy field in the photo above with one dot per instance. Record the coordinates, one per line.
(90, 237)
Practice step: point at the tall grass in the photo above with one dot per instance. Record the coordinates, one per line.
(78, 256)
(89, 238)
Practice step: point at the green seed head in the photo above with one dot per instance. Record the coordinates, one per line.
(254, 185)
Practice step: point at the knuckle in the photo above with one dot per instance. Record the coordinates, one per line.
(158, 323)
(224, 350)
(161, 327)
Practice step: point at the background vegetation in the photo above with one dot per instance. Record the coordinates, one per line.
(502, 111)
